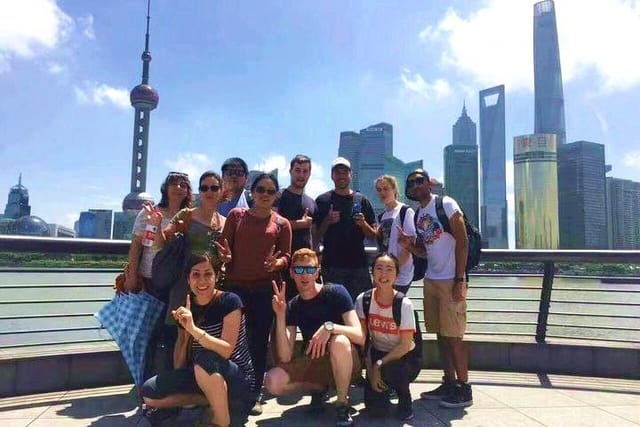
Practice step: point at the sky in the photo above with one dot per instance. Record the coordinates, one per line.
(267, 80)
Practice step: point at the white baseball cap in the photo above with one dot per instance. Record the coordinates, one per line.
(341, 161)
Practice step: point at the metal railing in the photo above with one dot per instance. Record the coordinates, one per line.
(61, 310)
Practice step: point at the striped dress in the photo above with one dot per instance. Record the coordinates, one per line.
(211, 320)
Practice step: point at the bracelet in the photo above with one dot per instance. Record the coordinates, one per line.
(201, 335)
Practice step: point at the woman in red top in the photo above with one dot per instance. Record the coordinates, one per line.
(260, 243)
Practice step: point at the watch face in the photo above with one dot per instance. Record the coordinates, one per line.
(328, 326)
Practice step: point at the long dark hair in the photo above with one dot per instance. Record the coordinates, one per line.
(172, 177)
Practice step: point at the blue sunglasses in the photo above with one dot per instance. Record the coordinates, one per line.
(301, 269)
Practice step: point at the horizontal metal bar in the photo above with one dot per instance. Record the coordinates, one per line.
(44, 316)
(502, 299)
(37, 331)
(471, 286)
(624, 291)
(500, 310)
(55, 343)
(613, 328)
(520, 334)
(628, 304)
(500, 322)
(612, 316)
(576, 337)
(54, 301)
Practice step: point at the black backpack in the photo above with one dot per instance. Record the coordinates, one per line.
(419, 264)
(397, 317)
(475, 239)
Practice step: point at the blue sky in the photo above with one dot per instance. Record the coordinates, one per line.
(267, 80)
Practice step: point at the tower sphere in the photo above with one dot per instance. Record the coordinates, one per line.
(144, 97)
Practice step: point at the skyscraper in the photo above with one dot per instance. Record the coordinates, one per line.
(143, 99)
(536, 191)
(623, 211)
(371, 154)
(17, 201)
(493, 181)
(461, 167)
(549, 99)
(582, 196)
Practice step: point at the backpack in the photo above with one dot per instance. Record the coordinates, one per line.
(475, 239)
(397, 317)
(419, 264)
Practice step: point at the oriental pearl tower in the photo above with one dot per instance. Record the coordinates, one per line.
(143, 99)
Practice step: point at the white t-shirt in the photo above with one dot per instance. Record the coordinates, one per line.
(389, 222)
(384, 332)
(441, 246)
(148, 252)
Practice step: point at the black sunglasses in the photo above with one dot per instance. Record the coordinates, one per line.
(305, 269)
(261, 190)
(417, 181)
(205, 188)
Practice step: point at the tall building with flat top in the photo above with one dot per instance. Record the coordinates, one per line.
(493, 179)
(582, 196)
(623, 210)
(461, 167)
(535, 172)
(547, 75)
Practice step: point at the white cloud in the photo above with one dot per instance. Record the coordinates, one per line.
(86, 25)
(193, 164)
(274, 161)
(416, 84)
(55, 68)
(493, 45)
(317, 182)
(29, 28)
(92, 93)
(632, 159)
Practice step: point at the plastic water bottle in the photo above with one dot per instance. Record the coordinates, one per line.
(357, 207)
(149, 235)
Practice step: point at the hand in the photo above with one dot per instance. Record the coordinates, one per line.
(359, 220)
(130, 283)
(306, 220)
(183, 315)
(459, 290)
(404, 240)
(318, 343)
(224, 251)
(271, 262)
(333, 216)
(154, 216)
(375, 379)
(279, 300)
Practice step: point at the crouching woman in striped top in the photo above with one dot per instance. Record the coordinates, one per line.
(212, 364)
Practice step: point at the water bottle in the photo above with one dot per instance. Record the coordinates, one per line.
(149, 235)
(357, 207)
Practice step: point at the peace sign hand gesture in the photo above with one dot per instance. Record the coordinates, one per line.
(279, 301)
(404, 240)
(271, 262)
(224, 251)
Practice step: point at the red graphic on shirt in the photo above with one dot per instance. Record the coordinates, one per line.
(385, 325)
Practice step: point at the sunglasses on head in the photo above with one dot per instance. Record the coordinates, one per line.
(205, 188)
(177, 174)
(416, 181)
(261, 190)
(233, 172)
(305, 269)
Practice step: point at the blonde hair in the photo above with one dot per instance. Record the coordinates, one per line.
(304, 253)
(391, 180)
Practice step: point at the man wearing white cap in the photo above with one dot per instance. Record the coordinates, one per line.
(342, 220)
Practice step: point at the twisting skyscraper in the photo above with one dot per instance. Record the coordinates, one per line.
(143, 99)
(549, 100)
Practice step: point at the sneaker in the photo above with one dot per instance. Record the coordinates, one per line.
(155, 416)
(444, 390)
(256, 409)
(343, 416)
(461, 397)
(317, 401)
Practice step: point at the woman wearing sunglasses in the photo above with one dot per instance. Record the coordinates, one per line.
(259, 240)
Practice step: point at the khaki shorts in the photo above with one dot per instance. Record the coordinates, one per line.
(303, 369)
(443, 315)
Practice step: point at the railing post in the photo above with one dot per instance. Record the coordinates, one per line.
(545, 300)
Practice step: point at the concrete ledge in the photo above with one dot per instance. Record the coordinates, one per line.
(29, 372)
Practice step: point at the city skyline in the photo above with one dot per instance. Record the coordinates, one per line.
(266, 83)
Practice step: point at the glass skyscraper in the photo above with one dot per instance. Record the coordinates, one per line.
(493, 181)
(18, 201)
(461, 167)
(371, 154)
(549, 99)
(582, 196)
(535, 172)
(623, 211)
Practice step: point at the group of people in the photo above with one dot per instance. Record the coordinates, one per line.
(256, 276)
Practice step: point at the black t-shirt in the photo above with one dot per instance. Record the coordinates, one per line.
(329, 305)
(291, 206)
(343, 241)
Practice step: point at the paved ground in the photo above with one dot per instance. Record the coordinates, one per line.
(500, 399)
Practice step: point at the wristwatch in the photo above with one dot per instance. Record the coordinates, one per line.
(458, 280)
(328, 326)
(379, 363)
